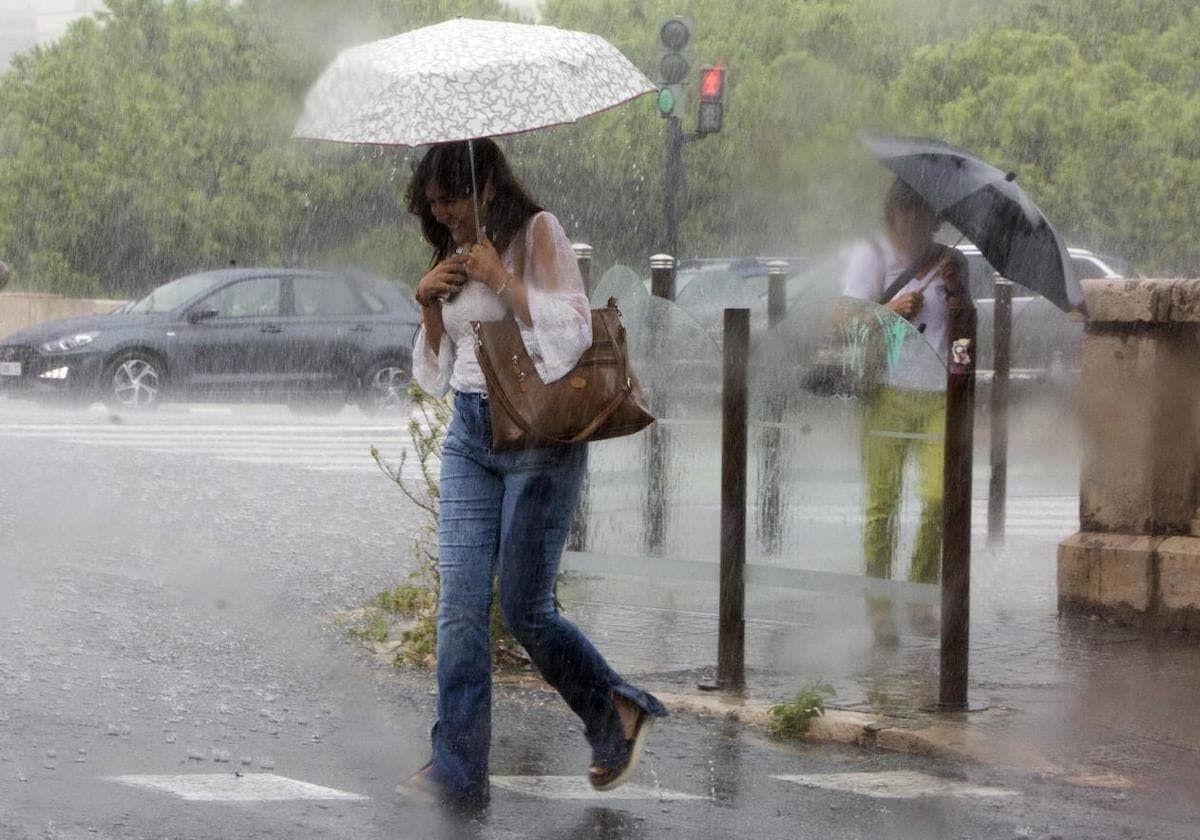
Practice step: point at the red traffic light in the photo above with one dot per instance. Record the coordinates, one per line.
(712, 84)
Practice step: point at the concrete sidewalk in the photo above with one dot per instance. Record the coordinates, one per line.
(1073, 699)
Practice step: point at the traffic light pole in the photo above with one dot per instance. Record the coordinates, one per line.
(673, 184)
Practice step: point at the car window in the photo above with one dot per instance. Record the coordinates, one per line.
(254, 298)
(325, 295)
(981, 277)
(371, 297)
(170, 295)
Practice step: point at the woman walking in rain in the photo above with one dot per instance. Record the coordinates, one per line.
(903, 269)
(504, 514)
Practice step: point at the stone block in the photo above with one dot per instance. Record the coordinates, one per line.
(1108, 573)
(1144, 301)
(1124, 301)
(1179, 573)
(1140, 431)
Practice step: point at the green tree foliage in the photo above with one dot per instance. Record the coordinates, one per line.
(1108, 146)
(156, 140)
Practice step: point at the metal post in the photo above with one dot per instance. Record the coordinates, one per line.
(956, 505)
(731, 638)
(662, 276)
(583, 255)
(578, 538)
(770, 451)
(673, 183)
(776, 292)
(662, 284)
(1001, 369)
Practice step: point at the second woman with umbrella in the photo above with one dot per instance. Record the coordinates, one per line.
(504, 514)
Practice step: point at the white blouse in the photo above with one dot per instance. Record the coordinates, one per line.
(558, 306)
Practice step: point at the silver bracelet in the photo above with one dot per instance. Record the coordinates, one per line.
(504, 285)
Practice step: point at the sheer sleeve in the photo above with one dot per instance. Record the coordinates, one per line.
(561, 327)
(432, 370)
(863, 274)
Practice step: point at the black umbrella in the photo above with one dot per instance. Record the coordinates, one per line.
(986, 204)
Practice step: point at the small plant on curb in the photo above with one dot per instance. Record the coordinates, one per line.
(374, 629)
(417, 600)
(792, 720)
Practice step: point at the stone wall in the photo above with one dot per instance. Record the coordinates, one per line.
(22, 309)
(1135, 558)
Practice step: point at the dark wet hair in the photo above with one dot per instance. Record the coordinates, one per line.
(449, 166)
(903, 197)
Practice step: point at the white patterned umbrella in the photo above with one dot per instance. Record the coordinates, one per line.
(464, 79)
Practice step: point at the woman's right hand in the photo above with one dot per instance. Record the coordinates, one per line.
(443, 281)
(907, 306)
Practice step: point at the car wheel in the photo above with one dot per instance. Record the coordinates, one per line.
(385, 387)
(133, 382)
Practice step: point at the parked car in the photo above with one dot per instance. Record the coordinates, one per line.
(1046, 342)
(302, 337)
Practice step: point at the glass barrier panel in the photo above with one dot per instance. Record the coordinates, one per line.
(847, 415)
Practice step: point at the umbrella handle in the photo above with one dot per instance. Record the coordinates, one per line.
(933, 272)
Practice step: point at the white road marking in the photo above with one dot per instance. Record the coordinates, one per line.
(228, 787)
(895, 784)
(577, 787)
(310, 447)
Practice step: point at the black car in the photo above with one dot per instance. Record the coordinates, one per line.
(303, 337)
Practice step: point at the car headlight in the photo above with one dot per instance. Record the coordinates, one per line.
(69, 342)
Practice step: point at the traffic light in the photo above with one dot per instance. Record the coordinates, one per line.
(712, 100)
(674, 63)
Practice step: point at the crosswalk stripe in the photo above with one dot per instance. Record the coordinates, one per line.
(235, 787)
(576, 787)
(895, 784)
(196, 427)
(310, 447)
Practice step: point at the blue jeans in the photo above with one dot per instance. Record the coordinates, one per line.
(509, 513)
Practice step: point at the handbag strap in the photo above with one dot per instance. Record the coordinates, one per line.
(931, 264)
(899, 283)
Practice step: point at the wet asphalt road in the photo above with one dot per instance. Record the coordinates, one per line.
(167, 610)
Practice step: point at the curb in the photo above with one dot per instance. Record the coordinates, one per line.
(954, 741)
(835, 726)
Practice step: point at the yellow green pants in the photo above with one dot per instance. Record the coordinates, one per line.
(897, 423)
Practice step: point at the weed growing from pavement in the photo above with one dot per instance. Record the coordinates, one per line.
(792, 720)
(416, 602)
(376, 629)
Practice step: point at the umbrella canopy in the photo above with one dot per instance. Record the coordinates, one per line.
(986, 204)
(464, 79)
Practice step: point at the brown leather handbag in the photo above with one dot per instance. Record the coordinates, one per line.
(600, 398)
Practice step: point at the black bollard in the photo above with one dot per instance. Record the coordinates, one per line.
(770, 451)
(1001, 369)
(731, 632)
(956, 506)
(583, 255)
(662, 276)
(662, 285)
(578, 538)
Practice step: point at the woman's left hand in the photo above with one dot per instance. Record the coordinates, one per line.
(483, 264)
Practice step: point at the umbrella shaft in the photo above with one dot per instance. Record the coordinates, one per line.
(475, 191)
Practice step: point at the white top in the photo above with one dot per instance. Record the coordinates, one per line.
(870, 269)
(558, 306)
